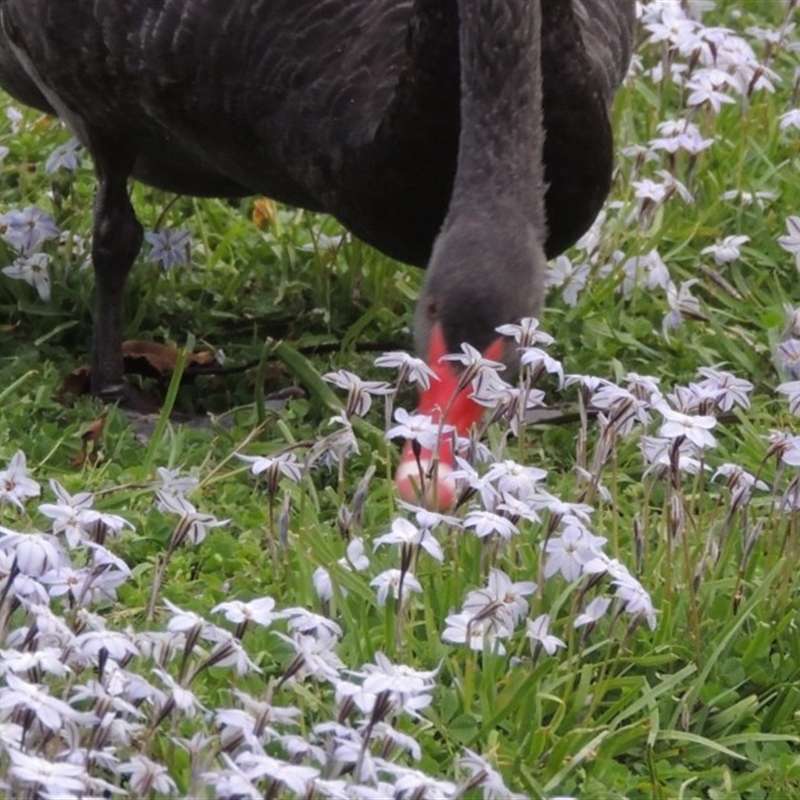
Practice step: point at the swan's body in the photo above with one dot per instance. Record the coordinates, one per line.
(396, 116)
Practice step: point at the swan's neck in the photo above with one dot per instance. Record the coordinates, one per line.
(502, 138)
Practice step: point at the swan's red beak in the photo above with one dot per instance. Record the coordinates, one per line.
(425, 477)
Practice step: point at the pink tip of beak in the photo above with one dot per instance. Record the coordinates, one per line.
(416, 483)
(415, 479)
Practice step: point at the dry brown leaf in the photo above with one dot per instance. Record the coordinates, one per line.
(75, 384)
(149, 359)
(158, 360)
(80, 460)
(264, 212)
(94, 430)
(90, 436)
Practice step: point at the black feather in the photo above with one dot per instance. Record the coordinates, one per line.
(396, 116)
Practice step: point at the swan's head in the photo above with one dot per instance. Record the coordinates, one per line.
(485, 270)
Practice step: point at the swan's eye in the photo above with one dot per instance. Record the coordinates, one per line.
(431, 308)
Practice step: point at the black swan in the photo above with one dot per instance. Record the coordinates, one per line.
(468, 136)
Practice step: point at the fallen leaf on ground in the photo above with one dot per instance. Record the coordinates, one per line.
(90, 436)
(148, 359)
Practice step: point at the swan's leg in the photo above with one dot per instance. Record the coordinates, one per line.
(116, 240)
